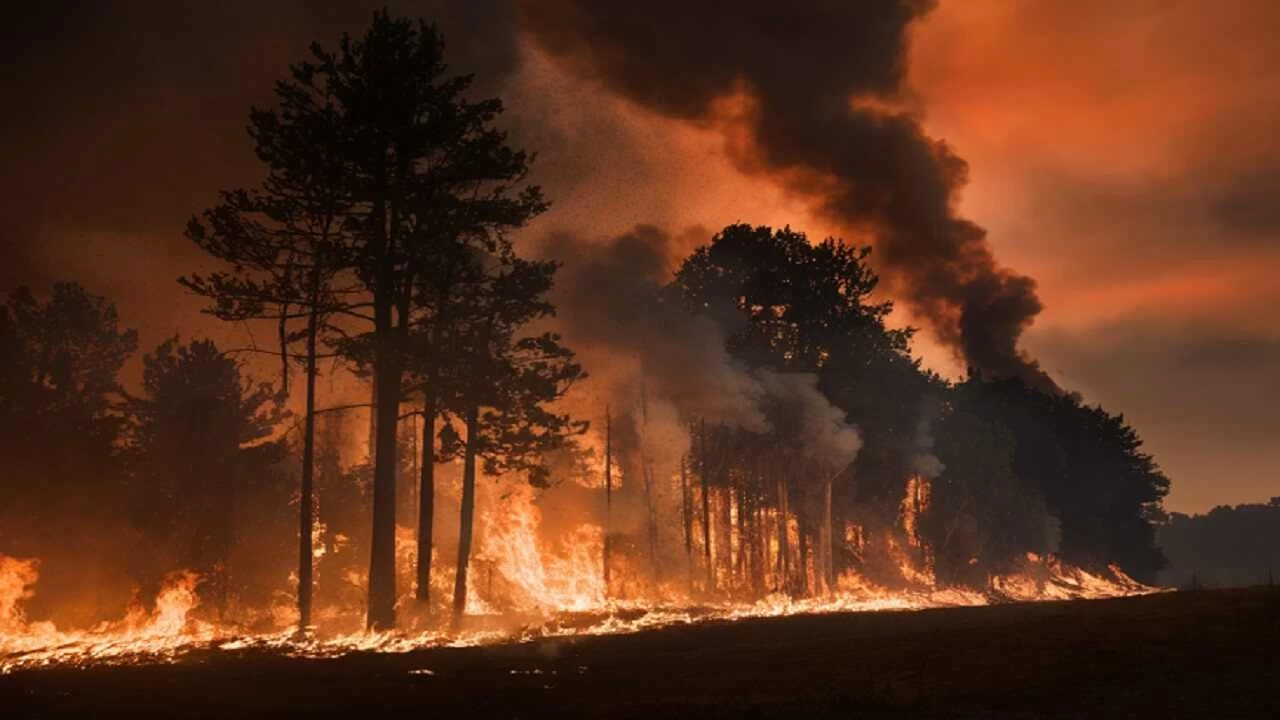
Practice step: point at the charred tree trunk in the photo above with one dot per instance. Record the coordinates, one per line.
(706, 509)
(382, 565)
(744, 545)
(784, 540)
(608, 494)
(652, 511)
(759, 550)
(373, 418)
(388, 369)
(803, 540)
(726, 534)
(466, 514)
(426, 493)
(646, 474)
(759, 543)
(306, 502)
(828, 540)
(686, 509)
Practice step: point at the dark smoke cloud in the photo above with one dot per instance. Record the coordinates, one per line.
(824, 80)
(114, 157)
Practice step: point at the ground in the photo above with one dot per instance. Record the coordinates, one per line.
(1188, 654)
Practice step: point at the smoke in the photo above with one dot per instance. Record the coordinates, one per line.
(669, 367)
(809, 95)
(613, 308)
(923, 460)
(813, 96)
(819, 427)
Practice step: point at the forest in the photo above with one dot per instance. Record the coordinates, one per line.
(680, 418)
(1229, 546)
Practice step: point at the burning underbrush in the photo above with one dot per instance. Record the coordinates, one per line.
(530, 586)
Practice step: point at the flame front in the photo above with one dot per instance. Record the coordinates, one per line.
(531, 585)
(164, 633)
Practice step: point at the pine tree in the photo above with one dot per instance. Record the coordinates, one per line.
(380, 133)
(499, 385)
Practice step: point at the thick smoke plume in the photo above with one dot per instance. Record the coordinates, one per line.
(614, 305)
(815, 93)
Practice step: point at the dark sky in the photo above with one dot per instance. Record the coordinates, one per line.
(1123, 155)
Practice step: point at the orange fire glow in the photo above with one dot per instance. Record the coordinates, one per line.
(529, 588)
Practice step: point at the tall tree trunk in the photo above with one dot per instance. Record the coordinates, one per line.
(828, 540)
(382, 563)
(753, 534)
(467, 514)
(741, 565)
(724, 538)
(686, 511)
(427, 488)
(282, 335)
(802, 537)
(646, 474)
(608, 494)
(372, 444)
(652, 511)
(306, 505)
(706, 508)
(784, 539)
(426, 493)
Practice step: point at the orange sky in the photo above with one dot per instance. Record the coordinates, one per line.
(1123, 154)
(1118, 151)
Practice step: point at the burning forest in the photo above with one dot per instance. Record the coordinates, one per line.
(451, 426)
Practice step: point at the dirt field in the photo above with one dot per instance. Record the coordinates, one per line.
(1197, 654)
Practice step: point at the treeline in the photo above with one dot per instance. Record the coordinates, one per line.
(1229, 546)
(955, 480)
(112, 489)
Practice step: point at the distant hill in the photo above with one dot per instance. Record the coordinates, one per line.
(1226, 547)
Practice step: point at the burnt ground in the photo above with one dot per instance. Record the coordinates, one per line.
(1191, 654)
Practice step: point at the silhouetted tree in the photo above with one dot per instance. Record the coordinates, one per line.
(498, 384)
(981, 514)
(1229, 546)
(427, 171)
(203, 438)
(288, 247)
(1090, 469)
(802, 301)
(800, 307)
(418, 170)
(60, 431)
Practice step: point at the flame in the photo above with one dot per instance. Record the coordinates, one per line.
(160, 634)
(542, 579)
(531, 581)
